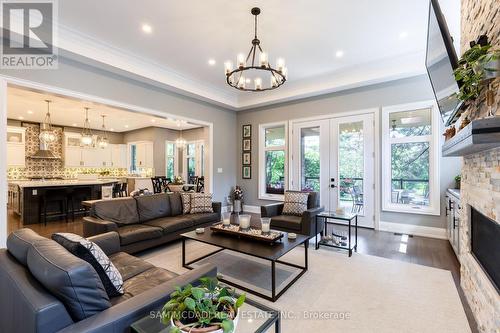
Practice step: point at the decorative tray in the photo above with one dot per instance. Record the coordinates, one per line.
(250, 233)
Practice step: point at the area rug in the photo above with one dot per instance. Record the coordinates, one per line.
(340, 294)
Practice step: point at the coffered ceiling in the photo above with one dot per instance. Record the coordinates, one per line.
(328, 45)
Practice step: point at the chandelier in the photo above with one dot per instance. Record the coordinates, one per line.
(247, 68)
(102, 140)
(180, 142)
(47, 133)
(87, 139)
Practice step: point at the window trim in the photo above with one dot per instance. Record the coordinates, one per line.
(196, 156)
(434, 159)
(262, 160)
(175, 156)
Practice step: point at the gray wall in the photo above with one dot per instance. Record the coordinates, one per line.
(76, 76)
(391, 93)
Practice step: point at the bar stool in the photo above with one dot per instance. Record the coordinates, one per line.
(53, 196)
(81, 193)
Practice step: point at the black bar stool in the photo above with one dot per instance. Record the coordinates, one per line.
(52, 197)
(81, 193)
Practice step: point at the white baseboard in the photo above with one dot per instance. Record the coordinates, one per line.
(251, 209)
(412, 229)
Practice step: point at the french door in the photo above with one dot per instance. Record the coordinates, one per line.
(335, 157)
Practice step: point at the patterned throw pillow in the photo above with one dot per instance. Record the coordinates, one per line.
(186, 203)
(92, 253)
(295, 203)
(201, 203)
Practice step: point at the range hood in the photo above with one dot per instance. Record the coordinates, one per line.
(479, 135)
(44, 153)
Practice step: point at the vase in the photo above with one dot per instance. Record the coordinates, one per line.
(237, 206)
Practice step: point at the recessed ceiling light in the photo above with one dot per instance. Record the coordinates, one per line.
(211, 62)
(339, 54)
(30, 112)
(147, 28)
(403, 35)
(20, 117)
(126, 126)
(111, 129)
(153, 120)
(74, 124)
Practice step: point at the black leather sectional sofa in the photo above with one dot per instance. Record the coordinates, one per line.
(145, 221)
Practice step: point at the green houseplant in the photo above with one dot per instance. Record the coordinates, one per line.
(458, 179)
(468, 74)
(209, 307)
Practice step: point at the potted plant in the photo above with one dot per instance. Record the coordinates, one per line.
(178, 180)
(208, 308)
(237, 199)
(468, 72)
(489, 65)
(458, 180)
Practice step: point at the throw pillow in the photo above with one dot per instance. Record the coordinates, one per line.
(90, 252)
(295, 203)
(201, 203)
(186, 203)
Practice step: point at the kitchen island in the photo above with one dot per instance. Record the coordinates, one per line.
(27, 197)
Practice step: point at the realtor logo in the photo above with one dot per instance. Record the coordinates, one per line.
(28, 34)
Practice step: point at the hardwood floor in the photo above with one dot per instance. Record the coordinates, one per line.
(431, 252)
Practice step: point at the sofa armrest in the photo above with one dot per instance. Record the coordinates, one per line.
(93, 226)
(109, 242)
(309, 220)
(217, 207)
(118, 318)
(271, 210)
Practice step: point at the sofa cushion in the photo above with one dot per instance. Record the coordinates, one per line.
(291, 222)
(295, 203)
(122, 211)
(202, 218)
(172, 223)
(175, 203)
(153, 206)
(312, 200)
(201, 203)
(92, 253)
(143, 282)
(129, 266)
(72, 280)
(138, 232)
(19, 242)
(186, 202)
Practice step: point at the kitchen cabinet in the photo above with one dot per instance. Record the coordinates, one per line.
(16, 140)
(143, 153)
(114, 155)
(119, 156)
(453, 211)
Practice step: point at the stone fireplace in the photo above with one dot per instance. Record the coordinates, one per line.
(480, 175)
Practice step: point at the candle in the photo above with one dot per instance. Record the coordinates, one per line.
(263, 59)
(280, 64)
(266, 224)
(228, 67)
(244, 221)
(258, 83)
(241, 60)
(226, 218)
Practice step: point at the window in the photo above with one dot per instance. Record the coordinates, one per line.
(194, 159)
(171, 168)
(133, 159)
(273, 161)
(411, 158)
(191, 160)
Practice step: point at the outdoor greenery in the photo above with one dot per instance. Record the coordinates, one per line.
(209, 304)
(275, 171)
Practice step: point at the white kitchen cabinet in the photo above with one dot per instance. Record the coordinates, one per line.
(92, 157)
(119, 156)
(73, 157)
(144, 154)
(16, 155)
(105, 157)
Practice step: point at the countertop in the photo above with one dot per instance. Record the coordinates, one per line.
(455, 192)
(62, 182)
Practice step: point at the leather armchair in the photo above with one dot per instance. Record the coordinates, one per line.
(304, 224)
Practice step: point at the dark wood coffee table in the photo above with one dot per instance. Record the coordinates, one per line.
(270, 252)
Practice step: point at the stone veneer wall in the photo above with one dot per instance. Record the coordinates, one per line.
(51, 168)
(480, 174)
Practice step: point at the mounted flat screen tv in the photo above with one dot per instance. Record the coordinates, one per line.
(440, 62)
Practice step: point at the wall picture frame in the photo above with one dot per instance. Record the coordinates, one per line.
(247, 131)
(246, 158)
(247, 144)
(246, 172)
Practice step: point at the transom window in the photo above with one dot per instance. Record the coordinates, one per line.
(410, 159)
(273, 161)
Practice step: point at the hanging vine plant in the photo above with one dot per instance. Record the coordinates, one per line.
(468, 74)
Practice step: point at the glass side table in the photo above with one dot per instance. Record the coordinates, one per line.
(324, 241)
(254, 318)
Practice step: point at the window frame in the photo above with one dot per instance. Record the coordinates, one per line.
(175, 156)
(262, 160)
(199, 149)
(434, 159)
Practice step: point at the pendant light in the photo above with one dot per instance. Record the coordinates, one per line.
(47, 133)
(180, 142)
(102, 140)
(87, 139)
